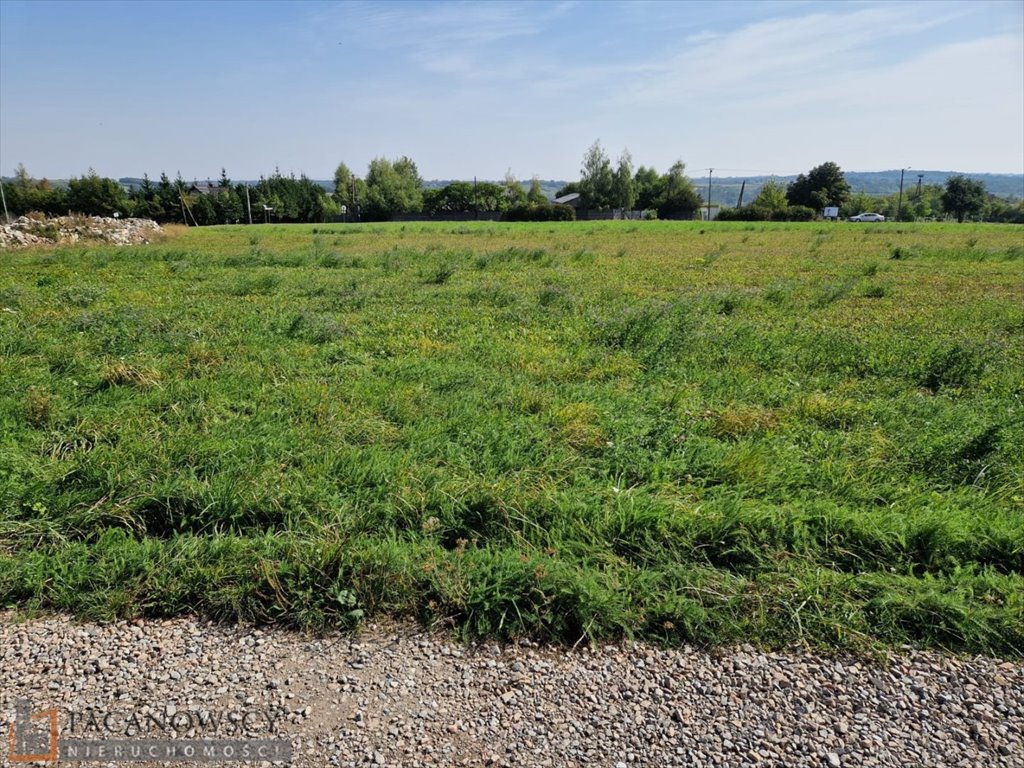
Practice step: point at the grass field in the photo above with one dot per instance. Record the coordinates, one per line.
(685, 432)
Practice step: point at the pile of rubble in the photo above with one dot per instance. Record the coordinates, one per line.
(63, 230)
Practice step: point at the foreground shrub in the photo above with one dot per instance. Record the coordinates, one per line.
(745, 213)
(759, 213)
(540, 212)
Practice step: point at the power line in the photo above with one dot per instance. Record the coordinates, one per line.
(740, 170)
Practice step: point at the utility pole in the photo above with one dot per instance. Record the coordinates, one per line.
(920, 178)
(743, 186)
(185, 207)
(710, 171)
(7, 218)
(248, 205)
(899, 205)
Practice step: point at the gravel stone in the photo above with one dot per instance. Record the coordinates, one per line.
(395, 695)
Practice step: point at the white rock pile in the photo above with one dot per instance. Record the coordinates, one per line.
(63, 230)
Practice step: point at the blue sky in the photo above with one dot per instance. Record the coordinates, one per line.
(480, 88)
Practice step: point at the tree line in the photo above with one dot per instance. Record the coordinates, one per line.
(603, 186)
(392, 188)
(283, 198)
(825, 185)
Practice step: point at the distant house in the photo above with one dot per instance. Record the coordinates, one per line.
(572, 200)
(206, 188)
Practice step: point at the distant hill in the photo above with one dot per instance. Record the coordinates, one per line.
(887, 182)
(726, 189)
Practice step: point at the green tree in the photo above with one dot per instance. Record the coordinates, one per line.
(963, 197)
(772, 196)
(412, 183)
(311, 201)
(623, 189)
(823, 185)
(278, 210)
(514, 194)
(165, 194)
(926, 201)
(203, 209)
(93, 195)
(1004, 211)
(596, 178)
(292, 199)
(536, 195)
(230, 208)
(678, 197)
(48, 199)
(349, 190)
(648, 186)
(278, 193)
(22, 179)
(26, 195)
(144, 201)
(456, 197)
(147, 190)
(488, 196)
(393, 187)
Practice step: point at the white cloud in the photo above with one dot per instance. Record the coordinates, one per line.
(957, 106)
(702, 37)
(436, 36)
(877, 86)
(779, 56)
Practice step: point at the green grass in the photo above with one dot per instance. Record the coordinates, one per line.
(779, 433)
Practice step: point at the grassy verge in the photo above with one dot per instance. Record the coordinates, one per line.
(781, 433)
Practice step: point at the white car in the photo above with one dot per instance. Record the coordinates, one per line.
(868, 217)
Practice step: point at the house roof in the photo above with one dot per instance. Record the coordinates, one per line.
(566, 198)
(206, 188)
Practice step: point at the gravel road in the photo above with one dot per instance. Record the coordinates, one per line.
(393, 695)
